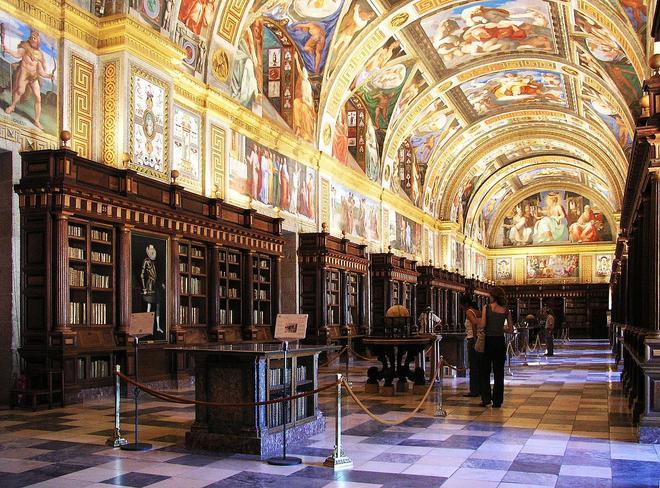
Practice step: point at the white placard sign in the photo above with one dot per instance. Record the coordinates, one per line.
(289, 327)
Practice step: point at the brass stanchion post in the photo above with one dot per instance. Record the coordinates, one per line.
(117, 440)
(439, 411)
(338, 460)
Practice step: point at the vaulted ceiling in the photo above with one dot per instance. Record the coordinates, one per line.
(451, 104)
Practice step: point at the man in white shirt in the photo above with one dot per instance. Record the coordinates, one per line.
(427, 321)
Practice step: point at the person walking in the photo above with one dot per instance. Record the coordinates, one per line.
(492, 320)
(549, 332)
(471, 311)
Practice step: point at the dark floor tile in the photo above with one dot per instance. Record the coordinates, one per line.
(135, 480)
(56, 445)
(250, 479)
(392, 457)
(531, 467)
(195, 460)
(644, 473)
(389, 480)
(464, 442)
(487, 464)
(583, 482)
(311, 451)
(420, 443)
(318, 473)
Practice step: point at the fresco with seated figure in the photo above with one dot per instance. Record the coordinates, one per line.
(554, 217)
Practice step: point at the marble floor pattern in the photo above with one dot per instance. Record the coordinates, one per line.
(564, 423)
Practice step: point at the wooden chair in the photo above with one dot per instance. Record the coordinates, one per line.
(46, 384)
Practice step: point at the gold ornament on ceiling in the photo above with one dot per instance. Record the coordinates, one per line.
(399, 19)
(220, 65)
(570, 71)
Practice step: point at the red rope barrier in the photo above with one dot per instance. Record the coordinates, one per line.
(175, 399)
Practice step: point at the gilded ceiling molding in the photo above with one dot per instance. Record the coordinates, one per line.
(565, 131)
(110, 80)
(510, 171)
(121, 33)
(522, 251)
(485, 152)
(231, 19)
(337, 85)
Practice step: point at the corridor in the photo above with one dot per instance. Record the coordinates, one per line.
(564, 423)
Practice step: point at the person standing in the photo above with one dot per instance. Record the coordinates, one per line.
(549, 332)
(471, 322)
(427, 321)
(492, 320)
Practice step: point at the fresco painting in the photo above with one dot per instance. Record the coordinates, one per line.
(414, 86)
(532, 175)
(271, 178)
(610, 115)
(481, 226)
(386, 53)
(356, 18)
(603, 265)
(381, 92)
(503, 269)
(148, 131)
(468, 32)
(311, 26)
(553, 267)
(555, 217)
(602, 45)
(353, 214)
(405, 234)
(514, 87)
(28, 76)
(187, 146)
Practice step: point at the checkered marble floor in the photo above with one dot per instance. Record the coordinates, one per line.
(564, 423)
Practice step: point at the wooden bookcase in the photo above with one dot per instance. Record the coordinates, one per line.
(193, 272)
(333, 274)
(581, 307)
(441, 289)
(299, 379)
(393, 282)
(84, 229)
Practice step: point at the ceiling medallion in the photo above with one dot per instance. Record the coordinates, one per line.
(386, 175)
(220, 65)
(327, 135)
(399, 19)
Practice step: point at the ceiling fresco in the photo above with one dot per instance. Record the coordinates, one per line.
(432, 98)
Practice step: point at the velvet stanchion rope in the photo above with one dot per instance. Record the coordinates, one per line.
(175, 399)
(385, 421)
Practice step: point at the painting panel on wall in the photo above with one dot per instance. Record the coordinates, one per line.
(405, 234)
(603, 265)
(555, 217)
(149, 280)
(28, 76)
(148, 122)
(458, 256)
(465, 33)
(503, 269)
(186, 138)
(557, 266)
(271, 178)
(353, 214)
(494, 91)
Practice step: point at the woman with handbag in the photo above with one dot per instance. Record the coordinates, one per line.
(492, 326)
(471, 311)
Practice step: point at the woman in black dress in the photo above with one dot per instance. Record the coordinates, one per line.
(492, 320)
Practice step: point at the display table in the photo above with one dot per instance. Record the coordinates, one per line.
(396, 356)
(246, 373)
(453, 348)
